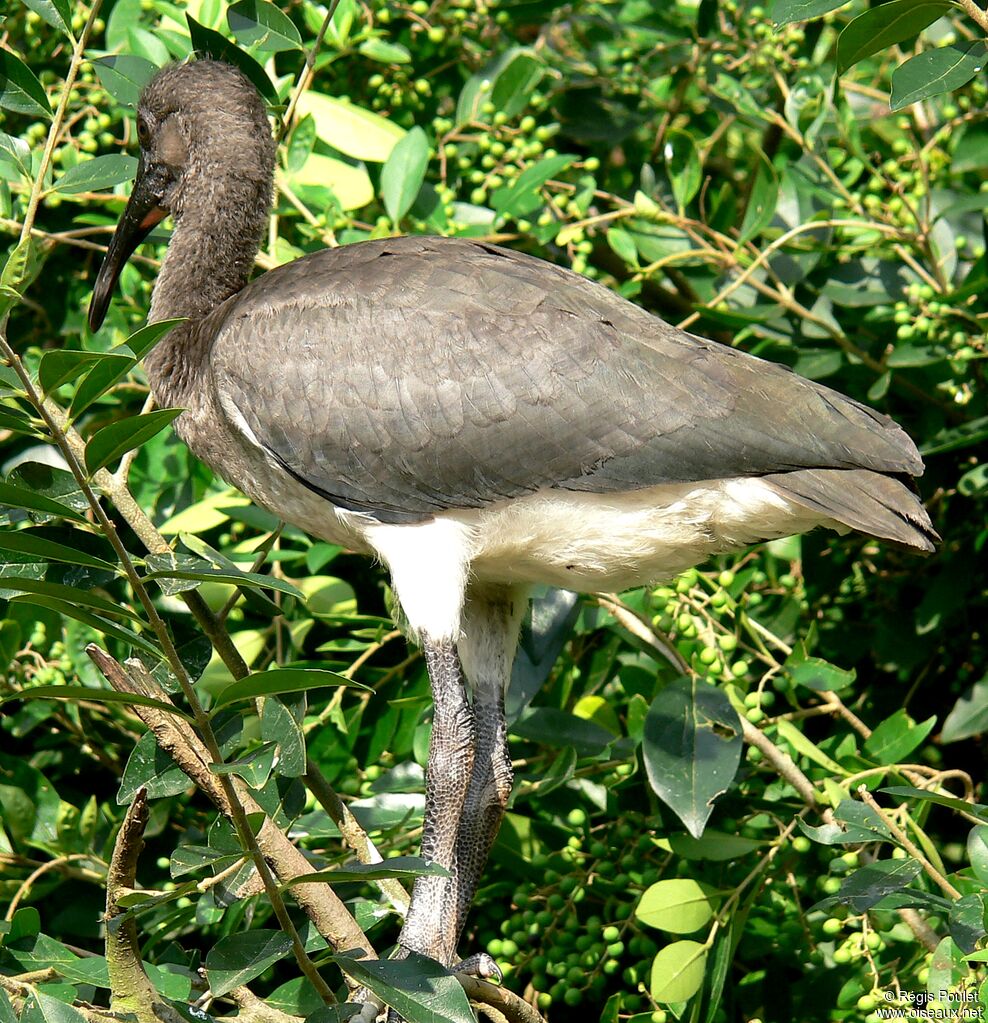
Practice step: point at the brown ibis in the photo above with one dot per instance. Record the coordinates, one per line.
(479, 420)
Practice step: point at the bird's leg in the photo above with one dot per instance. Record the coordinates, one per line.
(451, 755)
(491, 619)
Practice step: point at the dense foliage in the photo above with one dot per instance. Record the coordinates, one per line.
(733, 168)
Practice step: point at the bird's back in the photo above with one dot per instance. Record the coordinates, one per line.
(409, 376)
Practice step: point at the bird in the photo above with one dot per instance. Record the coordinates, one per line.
(477, 419)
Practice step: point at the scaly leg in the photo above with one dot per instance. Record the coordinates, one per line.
(491, 620)
(431, 915)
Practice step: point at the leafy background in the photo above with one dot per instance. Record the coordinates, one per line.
(805, 181)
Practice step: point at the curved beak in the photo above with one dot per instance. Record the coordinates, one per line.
(143, 211)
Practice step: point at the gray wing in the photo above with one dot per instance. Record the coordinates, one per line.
(407, 376)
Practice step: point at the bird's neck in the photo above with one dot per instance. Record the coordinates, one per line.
(209, 259)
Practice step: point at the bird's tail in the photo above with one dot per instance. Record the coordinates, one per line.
(870, 502)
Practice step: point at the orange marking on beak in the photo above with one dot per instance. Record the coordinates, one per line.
(154, 216)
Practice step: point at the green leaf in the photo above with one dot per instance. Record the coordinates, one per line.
(20, 91)
(70, 594)
(557, 727)
(99, 173)
(623, 245)
(113, 441)
(207, 42)
(969, 715)
(522, 195)
(682, 160)
(239, 958)
(677, 971)
(869, 885)
(116, 363)
(55, 12)
(884, 26)
(13, 496)
(896, 737)
(87, 694)
(254, 767)
(935, 71)
(150, 767)
(17, 151)
(403, 173)
(384, 52)
(784, 12)
(42, 1008)
(713, 845)
(31, 542)
(349, 183)
(351, 129)
(419, 988)
(71, 609)
(678, 905)
(818, 674)
(967, 921)
(260, 24)
(175, 566)
(396, 867)
(280, 726)
(516, 81)
(977, 851)
(61, 365)
(979, 810)
(276, 681)
(691, 748)
(762, 201)
(124, 76)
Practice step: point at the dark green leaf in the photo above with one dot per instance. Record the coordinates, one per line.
(44, 1008)
(979, 810)
(93, 175)
(692, 748)
(151, 767)
(208, 43)
(884, 26)
(176, 566)
(64, 364)
(784, 12)
(71, 609)
(276, 681)
(260, 24)
(55, 12)
(967, 921)
(560, 728)
(124, 76)
(419, 988)
(43, 489)
(239, 958)
(281, 726)
(254, 767)
(935, 71)
(72, 594)
(854, 823)
(86, 694)
(396, 866)
(623, 245)
(403, 173)
(869, 885)
(113, 441)
(31, 542)
(20, 91)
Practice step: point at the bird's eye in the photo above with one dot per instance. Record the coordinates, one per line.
(143, 131)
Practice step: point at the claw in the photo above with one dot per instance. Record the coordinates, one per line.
(480, 965)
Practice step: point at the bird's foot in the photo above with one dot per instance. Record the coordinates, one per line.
(481, 965)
